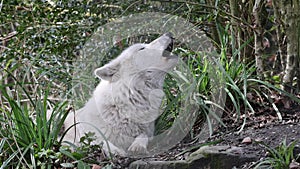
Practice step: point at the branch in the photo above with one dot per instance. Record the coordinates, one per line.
(9, 36)
(210, 7)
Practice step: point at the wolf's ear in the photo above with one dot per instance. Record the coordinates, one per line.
(108, 72)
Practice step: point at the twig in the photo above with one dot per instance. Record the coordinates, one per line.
(211, 7)
(1, 5)
(9, 36)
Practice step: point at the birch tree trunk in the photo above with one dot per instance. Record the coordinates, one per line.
(290, 9)
(258, 38)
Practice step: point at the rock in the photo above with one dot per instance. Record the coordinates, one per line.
(247, 140)
(207, 157)
(218, 157)
(96, 166)
(180, 164)
(294, 165)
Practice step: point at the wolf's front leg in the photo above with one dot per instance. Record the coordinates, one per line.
(139, 145)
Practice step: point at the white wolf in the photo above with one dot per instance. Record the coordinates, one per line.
(127, 101)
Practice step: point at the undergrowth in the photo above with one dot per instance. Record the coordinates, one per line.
(30, 132)
(279, 157)
(30, 138)
(216, 85)
(240, 91)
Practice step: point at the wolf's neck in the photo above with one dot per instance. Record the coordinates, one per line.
(137, 93)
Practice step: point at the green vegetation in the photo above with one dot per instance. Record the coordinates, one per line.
(40, 41)
(280, 157)
(30, 139)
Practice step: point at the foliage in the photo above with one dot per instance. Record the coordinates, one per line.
(85, 154)
(279, 157)
(30, 133)
(41, 40)
(181, 87)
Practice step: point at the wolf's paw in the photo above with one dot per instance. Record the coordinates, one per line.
(137, 149)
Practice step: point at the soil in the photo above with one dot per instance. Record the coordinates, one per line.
(266, 129)
(257, 139)
(263, 128)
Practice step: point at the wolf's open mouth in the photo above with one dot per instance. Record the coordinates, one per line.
(168, 50)
(170, 47)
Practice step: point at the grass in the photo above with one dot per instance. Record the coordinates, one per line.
(31, 135)
(189, 90)
(280, 157)
(27, 133)
(30, 138)
(237, 80)
(43, 51)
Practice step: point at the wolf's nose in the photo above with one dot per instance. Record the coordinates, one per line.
(169, 34)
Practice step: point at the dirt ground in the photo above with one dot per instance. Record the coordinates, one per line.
(263, 127)
(266, 128)
(271, 135)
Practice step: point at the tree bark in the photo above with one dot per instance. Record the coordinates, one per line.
(258, 38)
(281, 56)
(214, 31)
(235, 31)
(291, 11)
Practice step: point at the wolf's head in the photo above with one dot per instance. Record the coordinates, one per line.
(152, 60)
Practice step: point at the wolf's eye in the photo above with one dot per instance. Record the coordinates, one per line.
(142, 48)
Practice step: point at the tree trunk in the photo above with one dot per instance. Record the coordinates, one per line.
(280, 56)
(291, 11)
(235, 31)
(258, 38)
(214, 31)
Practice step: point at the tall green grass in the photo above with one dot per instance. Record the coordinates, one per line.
(29, 137)
(238, 79)
(30, 130)
(191, 83)
(280, 157)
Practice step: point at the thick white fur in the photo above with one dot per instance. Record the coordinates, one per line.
(127, 101)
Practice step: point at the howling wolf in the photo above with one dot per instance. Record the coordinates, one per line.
(127, 101)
